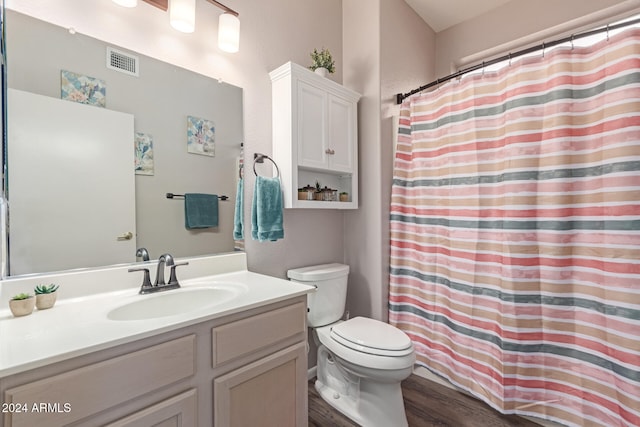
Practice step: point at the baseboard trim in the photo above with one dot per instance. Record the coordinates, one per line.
(312, 372)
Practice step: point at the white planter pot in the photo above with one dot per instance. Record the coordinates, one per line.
(44, 301)
(22, 307)
(322, 71)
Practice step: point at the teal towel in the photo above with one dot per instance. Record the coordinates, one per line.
(238, 226)
(200, 210)
(266, 210)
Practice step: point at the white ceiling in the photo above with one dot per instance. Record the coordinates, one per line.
(442, 14)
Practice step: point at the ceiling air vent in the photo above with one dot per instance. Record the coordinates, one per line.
(123, 62)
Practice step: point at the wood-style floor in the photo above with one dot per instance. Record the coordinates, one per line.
(427, 404)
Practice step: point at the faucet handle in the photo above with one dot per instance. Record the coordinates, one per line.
(146, 281)
(173, 280)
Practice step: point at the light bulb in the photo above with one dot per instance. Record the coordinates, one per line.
(182, 15)
(229, 33)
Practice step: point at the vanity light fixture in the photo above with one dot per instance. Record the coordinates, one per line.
(126, 3)
(182, 15)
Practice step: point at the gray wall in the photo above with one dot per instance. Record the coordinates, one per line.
(387, 49)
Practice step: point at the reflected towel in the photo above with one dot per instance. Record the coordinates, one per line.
(200, 210)
(266, 210)
(238, 225)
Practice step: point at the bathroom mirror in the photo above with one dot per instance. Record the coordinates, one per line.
(171, 108)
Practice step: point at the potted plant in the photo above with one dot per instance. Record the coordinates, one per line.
(322, 62)
(22, 304)
(46, 296)
(344, 196)
(318, 194)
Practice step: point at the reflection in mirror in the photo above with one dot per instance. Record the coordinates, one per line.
(169, 106)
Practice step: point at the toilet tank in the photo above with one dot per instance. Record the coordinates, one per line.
(326, 304)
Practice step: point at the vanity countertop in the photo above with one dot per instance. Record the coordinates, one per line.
(79, 324)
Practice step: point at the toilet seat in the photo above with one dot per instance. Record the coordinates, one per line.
(398, 360)
(372, 336)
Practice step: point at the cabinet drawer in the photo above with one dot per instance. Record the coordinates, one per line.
(237, 339)
(73, 395)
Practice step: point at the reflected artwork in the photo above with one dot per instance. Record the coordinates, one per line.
(143, 154)
(200, 136)
(83, 89)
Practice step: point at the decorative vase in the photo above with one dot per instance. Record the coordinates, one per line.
(322, 71)
(22, 307)
(44, 301)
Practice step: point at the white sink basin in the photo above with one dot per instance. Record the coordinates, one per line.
(176, 302)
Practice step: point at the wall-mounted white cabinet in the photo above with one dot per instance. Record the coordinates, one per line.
(315, 135)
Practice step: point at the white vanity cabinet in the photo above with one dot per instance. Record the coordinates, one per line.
(247, 368)
(315, 135)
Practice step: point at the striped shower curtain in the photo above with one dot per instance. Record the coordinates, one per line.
(515, 234)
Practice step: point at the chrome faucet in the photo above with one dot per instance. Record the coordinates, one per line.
(160, 285)
(165, 259)
(142, 253)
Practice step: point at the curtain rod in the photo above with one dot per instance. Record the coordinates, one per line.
(402, 96)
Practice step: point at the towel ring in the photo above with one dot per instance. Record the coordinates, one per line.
(259, 158)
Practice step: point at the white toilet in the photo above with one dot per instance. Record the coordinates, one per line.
(361, 361)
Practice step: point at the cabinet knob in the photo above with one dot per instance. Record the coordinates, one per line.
(329, 151)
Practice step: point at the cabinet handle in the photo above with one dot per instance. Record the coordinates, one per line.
(329, 151)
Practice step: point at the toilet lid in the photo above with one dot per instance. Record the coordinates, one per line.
(372, 336)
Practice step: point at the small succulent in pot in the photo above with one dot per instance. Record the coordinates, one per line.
(20, 297)
(22, 304)
(322, 59)
(46, 289)
(46, 296)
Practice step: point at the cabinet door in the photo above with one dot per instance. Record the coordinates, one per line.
(269, 392)
(177, 411)
(342, 134)
(311, 126)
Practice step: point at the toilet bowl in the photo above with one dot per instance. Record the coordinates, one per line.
(362, 383)
(361, 362)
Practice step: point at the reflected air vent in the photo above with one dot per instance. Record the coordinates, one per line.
(123, 62)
